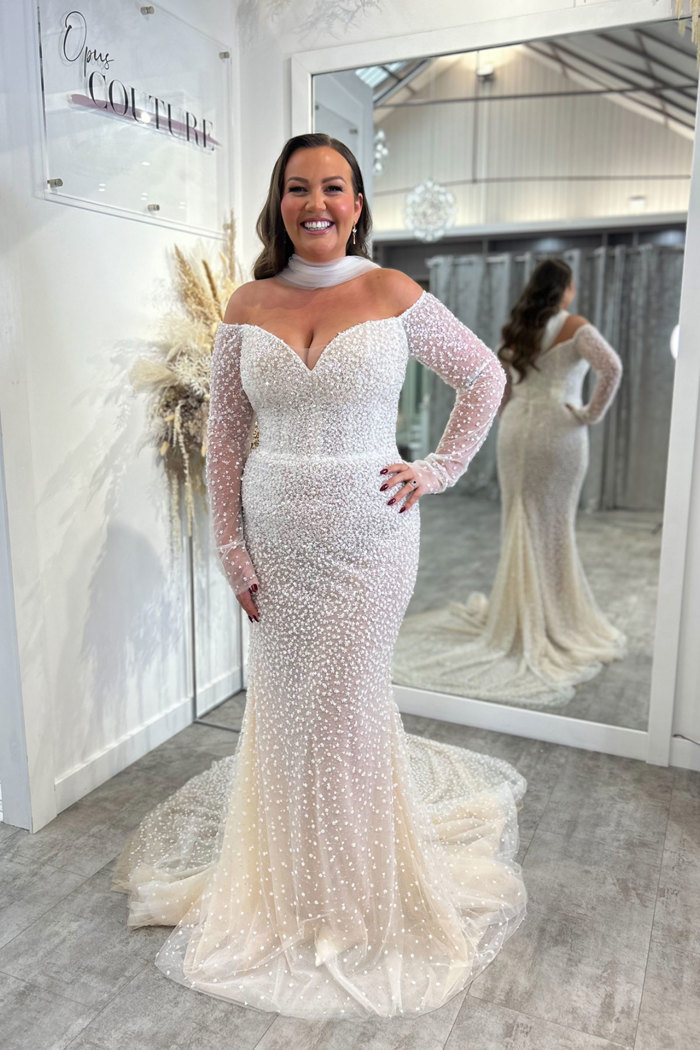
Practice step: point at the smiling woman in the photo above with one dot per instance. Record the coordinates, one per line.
(334, 866)
(322, 205)
(313, 172)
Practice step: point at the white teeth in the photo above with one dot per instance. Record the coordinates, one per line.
(322, 225)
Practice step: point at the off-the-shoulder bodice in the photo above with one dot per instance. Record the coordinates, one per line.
(345, 407)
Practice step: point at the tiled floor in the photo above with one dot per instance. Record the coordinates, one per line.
(607, 957)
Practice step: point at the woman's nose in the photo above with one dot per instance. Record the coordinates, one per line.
(316, 201)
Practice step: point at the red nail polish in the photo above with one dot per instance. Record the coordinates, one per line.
(402, 510)
(254, 587)
(383, 487)
(392, 500)
(383, 471)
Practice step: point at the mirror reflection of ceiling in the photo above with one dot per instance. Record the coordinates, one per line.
(564, 129)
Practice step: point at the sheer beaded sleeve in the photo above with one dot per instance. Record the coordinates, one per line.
(440, 341)
(589, 343)
(229, 433)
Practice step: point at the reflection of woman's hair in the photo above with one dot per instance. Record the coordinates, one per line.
(277, 246)
(538, 302)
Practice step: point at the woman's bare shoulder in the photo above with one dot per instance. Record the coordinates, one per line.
(239, 303)
(397, 290)
(570, 327)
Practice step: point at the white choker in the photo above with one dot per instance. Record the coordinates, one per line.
(305, 274)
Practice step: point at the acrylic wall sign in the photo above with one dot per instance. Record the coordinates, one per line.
(136, 112)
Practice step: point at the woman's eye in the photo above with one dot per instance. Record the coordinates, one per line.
(302, 189)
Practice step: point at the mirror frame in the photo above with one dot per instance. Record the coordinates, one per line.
(655, 743)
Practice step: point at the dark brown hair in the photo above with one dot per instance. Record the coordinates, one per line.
(277, 246)
(538, 302)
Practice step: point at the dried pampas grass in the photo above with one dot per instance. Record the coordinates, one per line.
(176, 378)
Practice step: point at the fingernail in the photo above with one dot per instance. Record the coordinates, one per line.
(254, 587)
(392, 500)
(250, 617)
(402, 510)
(383, 471)
(383, 487)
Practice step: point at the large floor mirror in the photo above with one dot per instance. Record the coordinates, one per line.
(481, 164)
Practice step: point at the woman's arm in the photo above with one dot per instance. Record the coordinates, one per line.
(589, 343)
(229, 434)
(440, 341)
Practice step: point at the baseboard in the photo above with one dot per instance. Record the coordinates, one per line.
(685, 753)
(537, 725)
(95, 770)
(216, 692)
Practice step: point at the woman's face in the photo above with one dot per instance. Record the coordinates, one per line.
(568, 295)
(318, 204)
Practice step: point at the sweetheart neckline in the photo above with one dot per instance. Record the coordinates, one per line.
(343, 331)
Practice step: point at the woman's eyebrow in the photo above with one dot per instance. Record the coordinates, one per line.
(330, 178)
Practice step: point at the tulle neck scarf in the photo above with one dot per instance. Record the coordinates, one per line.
(306, 274)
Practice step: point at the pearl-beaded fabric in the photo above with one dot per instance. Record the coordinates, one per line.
(334, 865)
(541, 631)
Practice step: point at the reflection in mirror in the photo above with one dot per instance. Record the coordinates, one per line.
(563, 171)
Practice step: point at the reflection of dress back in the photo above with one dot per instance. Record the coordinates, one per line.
(559, 370)
(542, 449)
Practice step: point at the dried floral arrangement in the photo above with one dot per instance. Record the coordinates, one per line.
(176, 377)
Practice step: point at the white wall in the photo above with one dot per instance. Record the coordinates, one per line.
(102, 609)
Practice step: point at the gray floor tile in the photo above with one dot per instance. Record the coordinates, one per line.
(7, 833)
(598, 884)
(683, 831)
(568, 970)
(687, 782)
(669, 1018)
(153, 1013)
(74, 840)
(81, 954)
(426, 1032)
(677, 918)
(483, 1026)
(28, 892)
(656, 781)
(632, 815)
(34, 1019)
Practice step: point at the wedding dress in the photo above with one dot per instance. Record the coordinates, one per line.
(541, 631)
(334, 865)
